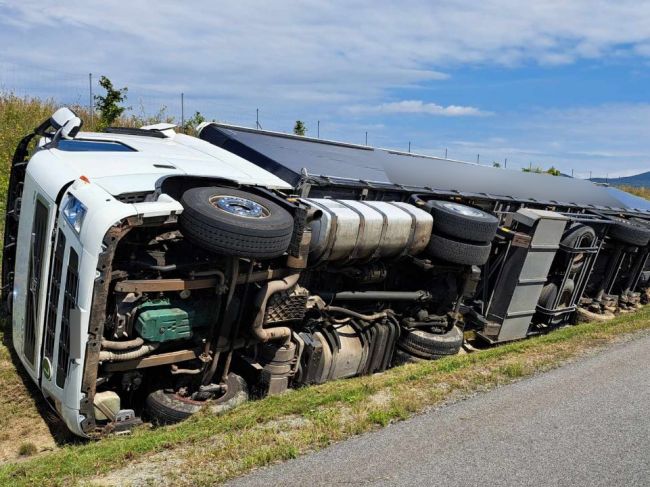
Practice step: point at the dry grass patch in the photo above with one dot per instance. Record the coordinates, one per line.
(21, 422)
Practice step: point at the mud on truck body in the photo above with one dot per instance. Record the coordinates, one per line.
(150, 274)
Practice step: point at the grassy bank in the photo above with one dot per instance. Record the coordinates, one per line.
(209, 449)
(638, 191)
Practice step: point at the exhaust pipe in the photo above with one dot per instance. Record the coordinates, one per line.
(297, 264)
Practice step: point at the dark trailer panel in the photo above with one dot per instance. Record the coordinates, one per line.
(294, 158)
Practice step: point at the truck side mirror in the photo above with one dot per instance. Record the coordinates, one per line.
(61, 117)
(66, 124)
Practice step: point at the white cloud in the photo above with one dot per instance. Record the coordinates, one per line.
(309, 59)
(418, 106)
(270, 50)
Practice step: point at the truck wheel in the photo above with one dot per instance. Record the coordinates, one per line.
(461, 221)
(233, 222)
(167, 407)
(629, 232)
(457, 252)
(427, 345)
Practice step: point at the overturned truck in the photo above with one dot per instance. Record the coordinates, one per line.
(150, 274)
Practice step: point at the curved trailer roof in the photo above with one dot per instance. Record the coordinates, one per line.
(289, 156)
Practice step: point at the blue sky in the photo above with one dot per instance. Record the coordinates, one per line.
(562, 83)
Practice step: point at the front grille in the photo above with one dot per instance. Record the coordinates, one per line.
(69, 303)
(137, 197)
(53, 299)
(37, 250)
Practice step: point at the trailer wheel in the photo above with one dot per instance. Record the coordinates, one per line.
(577, 235)
(629, 232)
(233, 222)
(427, 345)
(166, 407)
(549, 293)
(458, 252)
(461, 221)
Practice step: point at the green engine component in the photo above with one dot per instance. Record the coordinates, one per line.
(163, 320)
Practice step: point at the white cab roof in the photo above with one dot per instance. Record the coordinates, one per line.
(152, 158)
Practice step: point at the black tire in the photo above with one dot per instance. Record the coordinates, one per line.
(426, 345)
(549, 293)
(629, 232)
(577, 234)
(166, 407)
(461, 221)
(567, 292)
(456, 252)
(262, 235)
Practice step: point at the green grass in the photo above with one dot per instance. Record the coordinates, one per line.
(213, 449)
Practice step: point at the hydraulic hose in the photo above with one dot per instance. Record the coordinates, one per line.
(354, 314)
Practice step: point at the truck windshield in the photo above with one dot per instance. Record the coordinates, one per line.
(81, 145)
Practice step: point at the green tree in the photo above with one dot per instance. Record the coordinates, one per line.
(300, 128)
(538, 170)
(109, 105)
(496, 164)
(193, 122)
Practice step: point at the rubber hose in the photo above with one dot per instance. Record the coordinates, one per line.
(126, 345)
(124, 355)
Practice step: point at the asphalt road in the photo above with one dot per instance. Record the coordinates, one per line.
(587, 423)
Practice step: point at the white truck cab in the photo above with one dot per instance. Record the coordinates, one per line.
(74, 189)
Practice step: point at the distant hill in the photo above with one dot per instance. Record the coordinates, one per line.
(638, 180)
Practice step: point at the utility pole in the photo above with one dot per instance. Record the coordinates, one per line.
(182, 111)
(445, 153)
(589, 175)
(478, 156)
(571, 172)
(505, 163)
(257, 118)
(409, 146)
(90, 96)
(366, 137)
(318, 129)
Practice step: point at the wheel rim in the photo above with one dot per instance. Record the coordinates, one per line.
(462, 209)
(242, 207)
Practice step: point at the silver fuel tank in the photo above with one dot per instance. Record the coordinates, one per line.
(352, 230)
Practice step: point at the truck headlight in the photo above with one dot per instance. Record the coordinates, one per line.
(74, 212)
